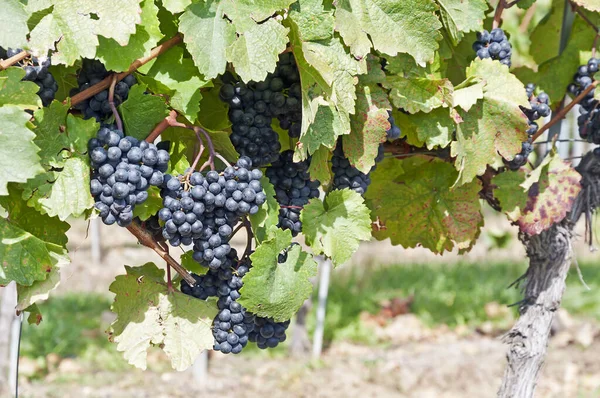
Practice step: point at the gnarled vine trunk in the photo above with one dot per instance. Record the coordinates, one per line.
(550, 255)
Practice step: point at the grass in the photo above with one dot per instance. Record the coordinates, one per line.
(453, 295)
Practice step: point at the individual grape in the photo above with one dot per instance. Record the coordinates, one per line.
(93, 72)
(494, 45)
(588, 120)
(36, 70)
(117, 181)
(394, 131)
(293, 189)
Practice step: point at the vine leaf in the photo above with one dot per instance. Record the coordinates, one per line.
(335, 226)
(40, 290)
(19, 158)
(176, 6)
(369, 123)
(432, 129)
(415, 204)
(494, 127)
(17, 92)
(255, 51)
(176, 76)
(545, 37)
(268, 214)
(277, 290)
(467, 97)
(320, 168)
(72, 26)
(413, 22)
(141, 112)
(151, 206)
(592, 5)
(13, 20)
(32, 244)
(188, 262)
(256, 10)
(207, 34)
(460, 16)
(147, 35)
(419, 94)
(541, 199)
(148, 314)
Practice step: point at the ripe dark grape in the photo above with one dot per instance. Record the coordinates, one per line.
(267, 333)
(588, 120)
(117, 183)
(494, 45)
(293, 189)
(347, 176)
(394, 131)
(538, 107)
(93, 72)
(36, 70)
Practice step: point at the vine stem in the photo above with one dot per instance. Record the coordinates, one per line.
(577, 9)
(111, 103)
(135, 65)
(13, 60)
(146, 239)
(248, 227)
(167, 122)
(563, 112)
(502, 5)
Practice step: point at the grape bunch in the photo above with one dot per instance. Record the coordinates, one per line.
(347, 176)
(293, 189)
(36, 71)
(250, 116)
(267, 333)
(538, 107)
(122, 170)
(93, 72)
(289, 113)
(589, 110)
(394, 131)
(493, 45)
(204, 209)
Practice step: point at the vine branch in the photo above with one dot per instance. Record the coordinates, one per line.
(563, 112)
(577, 9)
(146, 239)
(111, 103)
(5, 63)
(135, 65)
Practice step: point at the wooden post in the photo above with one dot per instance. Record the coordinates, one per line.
(8, 302)
(325, 268)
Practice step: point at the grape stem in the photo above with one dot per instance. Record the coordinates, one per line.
(198, 156)
(563, 112)
(111, 102)
(577, 9)
(146, 239)
(13, 60)
(291, 207)
(502, 5)
(250, 235)
(135, 65)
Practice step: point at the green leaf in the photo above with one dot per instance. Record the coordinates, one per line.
(207, 34)
(35, 316)
(413, 23)
(313, 21)
(40, 290)
(432, 129)
(19, 160)
(336, 226)
(66, 78)
(73, 26)
(276, 290)
(13, 20)
(369, 126)
(32, 244)
(320, 168)
(150, 207)
(176, 6)
(141, 112)
(148, 314)
(15, 92)
(179, 79)
(466, 97)
(70, 193)
(419, 94)
(545, 37)
(214, 112)
(147, 35)
(188, 262)
(493, 128)
(543, 198)
(255, 51)
(268, 214)
(257, 10)
(460, 16)
(414, 204)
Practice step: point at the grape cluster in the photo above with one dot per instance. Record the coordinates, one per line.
(290, 113)
(394, 131)
(204, 209)
(538, 107)
(267, 333)
(36, 71)
(493, 45)
(347, 176)
(293, 189)
(122, 170)
(589, 110)
(93, 72)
